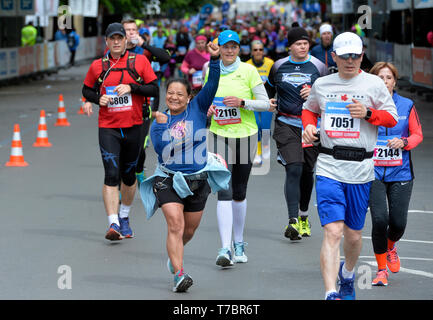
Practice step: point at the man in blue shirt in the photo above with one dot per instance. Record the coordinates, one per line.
(324, 49)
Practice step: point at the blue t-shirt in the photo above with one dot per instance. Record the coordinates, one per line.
(181, 142)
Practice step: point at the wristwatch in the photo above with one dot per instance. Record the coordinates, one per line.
(242, 103)
(368, 115)
(405, 142)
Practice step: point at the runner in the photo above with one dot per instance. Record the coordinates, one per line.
(233, 129)
(291, 78)
(263, 119)
(352, 104)
(181, 187)
(193, 63)
(391, 190)
(323, 51)
(118, 83)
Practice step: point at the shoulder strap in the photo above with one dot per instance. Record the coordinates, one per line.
(130, 67)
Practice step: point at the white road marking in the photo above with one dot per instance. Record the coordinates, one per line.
(411, 271)
(401, 258)
(420, 211)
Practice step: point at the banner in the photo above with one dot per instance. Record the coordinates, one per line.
(90, 8)
(399, 4)
(342, 6)
(8, 8)
(423, 4)
(403, 60)
(422, 66)
(384, 51)
(25, 7)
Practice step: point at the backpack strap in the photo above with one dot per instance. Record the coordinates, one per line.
(130, 67)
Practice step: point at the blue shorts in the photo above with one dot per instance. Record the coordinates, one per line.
(338, 201)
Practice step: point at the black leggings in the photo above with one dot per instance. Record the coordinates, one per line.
(389, 203)
(239, 163)
(298, 187)
(119, 150)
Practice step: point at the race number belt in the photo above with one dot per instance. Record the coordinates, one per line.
(118, 104)
(339, 123)
(225, 115)
(385, 156)
(347, 153)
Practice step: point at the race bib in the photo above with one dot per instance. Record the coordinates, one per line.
(197, 78)
(339, 123)
(225, 115)
(385, 156)
(118, 104)
(182, 50)
(245, 49)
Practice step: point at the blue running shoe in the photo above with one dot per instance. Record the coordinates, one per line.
(113, 233)
(333, 296)
(125, 230)
(182, 281)
(240, 256)
(224, 258)
(347, 286)
(170, 266)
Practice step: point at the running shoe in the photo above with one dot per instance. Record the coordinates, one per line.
(347, 286)
(113, 233)
(266, 151)
(170, 266)
(182, 281)
(257, 160)
(293, 230)
(240, 256)
(224, 258)
(392, 260)
(305, 226)
(381, 278)
(125, 230)
(140, 177)
(333, 296)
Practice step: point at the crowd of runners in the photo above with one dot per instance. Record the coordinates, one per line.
(337, 117)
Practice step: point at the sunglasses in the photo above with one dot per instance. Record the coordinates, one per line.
(346, 56)
(257, 49)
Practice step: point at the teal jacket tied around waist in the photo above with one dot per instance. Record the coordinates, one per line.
(218, 179)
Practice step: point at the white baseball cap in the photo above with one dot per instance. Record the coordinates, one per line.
(347, 42)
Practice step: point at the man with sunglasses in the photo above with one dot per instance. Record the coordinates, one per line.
(351, 104)
(263, 65)
(291, 79)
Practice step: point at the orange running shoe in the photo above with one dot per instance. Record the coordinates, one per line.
(392, 260)
(381, 278)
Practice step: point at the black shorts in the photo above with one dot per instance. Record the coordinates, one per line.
(289, 144)
(119, 150)
(165, 193)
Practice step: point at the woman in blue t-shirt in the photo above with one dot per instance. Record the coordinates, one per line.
(184, 176)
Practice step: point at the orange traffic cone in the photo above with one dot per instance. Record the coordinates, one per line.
(81, 111)
(62, 121)
(42, 138)
(16, 159)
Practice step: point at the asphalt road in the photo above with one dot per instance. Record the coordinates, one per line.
(53, 222)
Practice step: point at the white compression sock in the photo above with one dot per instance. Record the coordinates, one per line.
(113, 218)
(124, 211)
(225, 222)
(239, 215)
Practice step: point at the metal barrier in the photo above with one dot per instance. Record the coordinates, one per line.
(45, 57)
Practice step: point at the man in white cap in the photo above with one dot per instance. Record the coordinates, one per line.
(324, 50)
(351, 103)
